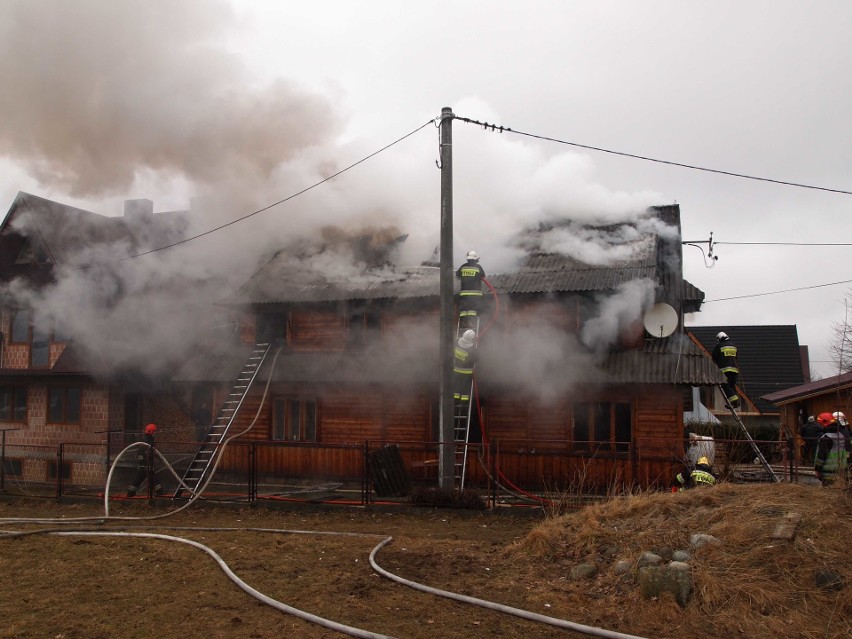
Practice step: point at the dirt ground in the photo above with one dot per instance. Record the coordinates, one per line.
(70, 586)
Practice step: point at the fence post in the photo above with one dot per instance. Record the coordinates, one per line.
(365, 482)
(252, 472)
(59, 455)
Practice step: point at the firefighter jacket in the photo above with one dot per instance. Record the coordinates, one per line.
(463, 361)
(725, 356)
(701, 475)
(832, 452)
(471, 274)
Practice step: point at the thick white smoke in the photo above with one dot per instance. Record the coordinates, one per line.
(112, 97)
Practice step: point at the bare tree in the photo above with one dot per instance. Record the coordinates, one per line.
(840, 342)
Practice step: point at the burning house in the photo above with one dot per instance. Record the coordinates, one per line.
(321, 367)
(570, 386)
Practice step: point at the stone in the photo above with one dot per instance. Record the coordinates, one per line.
(681, 555)
(828, 580)
(674, 578)
(702, 539)
(583, 571)
(621, 567)
(648, 558)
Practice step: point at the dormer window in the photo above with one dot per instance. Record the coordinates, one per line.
(32, 253)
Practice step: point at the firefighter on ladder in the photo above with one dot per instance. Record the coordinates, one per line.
(725, 357)
(470, 294)
(463, 362)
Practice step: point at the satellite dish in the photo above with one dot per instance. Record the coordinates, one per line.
(660, 320)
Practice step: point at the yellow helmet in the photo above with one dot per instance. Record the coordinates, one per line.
(704, 460)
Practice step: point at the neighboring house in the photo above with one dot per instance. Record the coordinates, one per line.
(569, 385)
(769, 359)
(54, 388)
(796, 403)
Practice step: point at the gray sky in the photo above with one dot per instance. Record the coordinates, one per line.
(246, 103)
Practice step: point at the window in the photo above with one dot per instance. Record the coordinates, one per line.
(13, 404)
(63, 405)
(51, 470)
(32, 253)
(13, 467)
(294, 420)
(40, 350)
(603, 426)
(21, 326)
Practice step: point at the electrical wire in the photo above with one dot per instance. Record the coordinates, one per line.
(501, 129)
(283, 200)
(788, 290)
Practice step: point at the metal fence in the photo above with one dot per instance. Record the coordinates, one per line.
(506, 472)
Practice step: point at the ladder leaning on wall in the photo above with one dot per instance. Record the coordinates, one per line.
(204, 461)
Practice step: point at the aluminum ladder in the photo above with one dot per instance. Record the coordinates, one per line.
(754, 446)
(202, 464)
(461, 420)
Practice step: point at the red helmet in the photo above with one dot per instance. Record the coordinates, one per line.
(150, 429)
(825, 419)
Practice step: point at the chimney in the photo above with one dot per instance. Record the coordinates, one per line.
(138, 210)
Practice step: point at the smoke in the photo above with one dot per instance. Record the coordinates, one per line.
(141, 98)
(106, 92)
(618, 315)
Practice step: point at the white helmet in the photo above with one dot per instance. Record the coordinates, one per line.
(840, 417)
(467, 339)
(471, 255)
(721, 337)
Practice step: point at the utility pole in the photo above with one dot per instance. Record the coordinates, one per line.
(447, 453)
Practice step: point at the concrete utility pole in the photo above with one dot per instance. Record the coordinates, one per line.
(447, 453)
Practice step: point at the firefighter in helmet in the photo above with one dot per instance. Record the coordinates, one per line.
(833, 449)
(700, 475)
(463, 364)
(470, 275)
(145, 464)
(725, 357)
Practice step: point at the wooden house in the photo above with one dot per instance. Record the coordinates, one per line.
(796, 403)
(571, 389)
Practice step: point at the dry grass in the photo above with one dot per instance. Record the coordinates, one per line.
(750, 585)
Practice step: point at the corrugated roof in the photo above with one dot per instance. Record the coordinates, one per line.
(768, 356)
(811, 389)
(673, 360)
(283, 280)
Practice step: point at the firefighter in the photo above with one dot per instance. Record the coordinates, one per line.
(145, 464)
(471, 275)
(463, 363)
(810, 432)
(832, 452)
(725, 357)
(701, 475)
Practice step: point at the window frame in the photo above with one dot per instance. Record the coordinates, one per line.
(65, 418)
(15, 392)
(15, 328)
(287, 410)
(606, 423)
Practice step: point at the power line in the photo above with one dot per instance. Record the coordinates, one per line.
(786, 243)
(286, 199)
(501, 129)
(788, 290)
